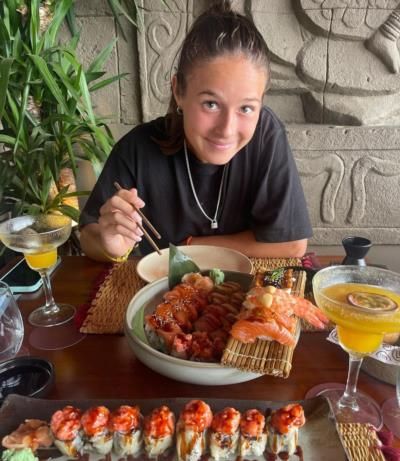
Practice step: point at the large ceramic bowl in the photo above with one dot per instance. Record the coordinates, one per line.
(144, 302)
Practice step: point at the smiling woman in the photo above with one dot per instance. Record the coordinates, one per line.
(217, 168)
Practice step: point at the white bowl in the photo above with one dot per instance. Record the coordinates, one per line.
(154, 266)
(144, 302)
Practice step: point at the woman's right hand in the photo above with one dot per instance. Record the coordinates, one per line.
(118, 222)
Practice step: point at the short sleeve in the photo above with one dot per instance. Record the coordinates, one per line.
(279, 211)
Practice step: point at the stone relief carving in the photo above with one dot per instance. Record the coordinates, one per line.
(332, 166)
(160, 39)
(336, 54)
(360, 170)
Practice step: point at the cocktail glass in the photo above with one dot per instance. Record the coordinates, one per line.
(38, 238)
(391, 410)
(11, 324)
(363, 312)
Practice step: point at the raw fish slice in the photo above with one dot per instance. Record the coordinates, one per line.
(32, 433)
(247, 331)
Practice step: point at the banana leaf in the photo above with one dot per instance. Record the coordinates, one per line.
(179, 265)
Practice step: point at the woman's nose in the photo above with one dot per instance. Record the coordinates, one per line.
(226, 123)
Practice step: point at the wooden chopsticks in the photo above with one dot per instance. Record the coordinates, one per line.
(148, 223)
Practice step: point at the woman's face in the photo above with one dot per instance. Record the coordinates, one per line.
(221, 106)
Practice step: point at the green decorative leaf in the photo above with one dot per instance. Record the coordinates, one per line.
(179, 265)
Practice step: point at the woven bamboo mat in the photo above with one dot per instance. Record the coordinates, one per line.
(264, 357)
(107, 309)
(360, 442)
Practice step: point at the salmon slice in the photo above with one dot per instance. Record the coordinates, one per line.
(248, 331)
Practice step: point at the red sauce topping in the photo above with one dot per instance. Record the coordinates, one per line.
(95, 420)
(160, 423)
(196, 415)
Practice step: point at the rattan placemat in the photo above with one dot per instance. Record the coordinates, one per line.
(360, 442)
(107, 309)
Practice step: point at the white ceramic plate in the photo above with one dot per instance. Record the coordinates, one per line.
(144, 302)
(153, 266)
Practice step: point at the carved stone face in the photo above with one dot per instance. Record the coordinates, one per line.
(221, 105)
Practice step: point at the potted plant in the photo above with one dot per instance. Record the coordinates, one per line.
(47, 119)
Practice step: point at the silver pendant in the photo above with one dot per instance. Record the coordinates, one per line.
(214, 224)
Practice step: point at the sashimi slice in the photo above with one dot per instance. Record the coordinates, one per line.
(248, 331)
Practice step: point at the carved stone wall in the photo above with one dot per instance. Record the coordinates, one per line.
(335, 84)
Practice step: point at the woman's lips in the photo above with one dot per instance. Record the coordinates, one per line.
(221, 145)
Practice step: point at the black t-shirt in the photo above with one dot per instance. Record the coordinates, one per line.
(261, 190)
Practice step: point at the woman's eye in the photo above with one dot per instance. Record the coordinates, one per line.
(247, 109)
(212, 105)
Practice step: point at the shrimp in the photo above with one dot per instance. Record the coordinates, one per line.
(280, 305)
(302, 308)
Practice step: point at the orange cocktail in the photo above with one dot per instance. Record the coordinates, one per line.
(362, 314)
(42, 260)
(364, 304)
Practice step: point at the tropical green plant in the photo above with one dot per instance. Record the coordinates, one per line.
(48, 122)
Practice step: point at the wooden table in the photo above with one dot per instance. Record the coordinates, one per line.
(103, 366)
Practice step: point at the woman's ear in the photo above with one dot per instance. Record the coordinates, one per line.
(174, 86)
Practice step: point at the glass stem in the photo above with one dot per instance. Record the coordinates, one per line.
(348, 398)
(50, 306)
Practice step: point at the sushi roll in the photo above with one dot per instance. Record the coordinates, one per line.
(66, 428)
(159, 428)
(224, 434)
(191, 430)
(97, 436)
(284, 424)
(253, 438)
(126, 425)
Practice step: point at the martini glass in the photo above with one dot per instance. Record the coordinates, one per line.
(364, 303)
(38, 237)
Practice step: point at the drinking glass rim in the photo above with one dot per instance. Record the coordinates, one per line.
(34, 217)
(351, 308)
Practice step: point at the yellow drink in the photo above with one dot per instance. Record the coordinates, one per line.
(44, 260)
(361, 327)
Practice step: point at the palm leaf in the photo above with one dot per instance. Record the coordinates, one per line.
(51, 83)
(107, 81)
(98, 63)
(62, 9)
(5, 70)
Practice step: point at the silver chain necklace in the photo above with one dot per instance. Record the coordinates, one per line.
(214, 221)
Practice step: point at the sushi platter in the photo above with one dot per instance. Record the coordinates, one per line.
(157, 328)
(316, 435)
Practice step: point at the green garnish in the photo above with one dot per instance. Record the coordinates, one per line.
(20, 454)
(217, 276)
(179, 265)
